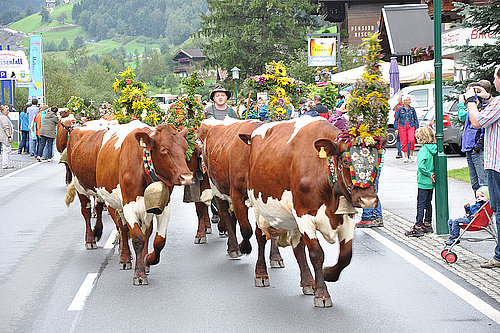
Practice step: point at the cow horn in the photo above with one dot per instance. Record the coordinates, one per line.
(345, 207)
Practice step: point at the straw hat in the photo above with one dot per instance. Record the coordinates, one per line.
(43, 107)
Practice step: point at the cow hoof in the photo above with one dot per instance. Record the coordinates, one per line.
(208, 231)
(147, 269)
(223, 234)
(308, 290)
(261, 281)
(125, 266)
(90, 246)
(277, 264)
(322, 303)
(235, 254)
(141, 281)
(202, 240)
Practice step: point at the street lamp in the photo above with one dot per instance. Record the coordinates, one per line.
(236, 75)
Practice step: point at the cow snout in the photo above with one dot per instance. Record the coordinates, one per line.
(186, 179)
(368, 202)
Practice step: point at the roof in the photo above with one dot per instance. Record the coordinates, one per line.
(189, 53)
(406, 27)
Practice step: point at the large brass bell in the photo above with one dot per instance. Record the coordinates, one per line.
(64, 156)
(156, 196)
(345, 207)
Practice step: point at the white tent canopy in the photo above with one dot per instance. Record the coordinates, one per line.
(419, 71)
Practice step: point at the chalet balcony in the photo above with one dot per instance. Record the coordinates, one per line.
(448, 14)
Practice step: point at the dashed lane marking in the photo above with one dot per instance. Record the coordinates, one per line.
(461, 292)
(83, 293)
(111, 239)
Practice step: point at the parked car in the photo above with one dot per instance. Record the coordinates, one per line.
(452, 129)
(422, 101)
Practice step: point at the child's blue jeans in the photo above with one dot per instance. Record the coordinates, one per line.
(454, 227)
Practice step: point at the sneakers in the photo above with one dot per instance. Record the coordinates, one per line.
(399, 156)
(364, 224)
(410, 159)
(428, 227)
(415, 231)
(377, 221)
(38, 158)
(450, 241)
(8, 167)
(406, 160)
(49, 160)
(492, 263)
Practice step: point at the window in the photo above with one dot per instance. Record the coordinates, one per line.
(420, 98)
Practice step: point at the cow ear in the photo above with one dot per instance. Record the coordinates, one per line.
(246, 138)
(145, 141)
(184, 132)
(328, 145)
(202, 131)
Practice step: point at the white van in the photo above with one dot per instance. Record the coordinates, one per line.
(422, 101)
(164, 100)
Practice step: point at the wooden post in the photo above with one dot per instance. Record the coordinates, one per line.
(248, 104)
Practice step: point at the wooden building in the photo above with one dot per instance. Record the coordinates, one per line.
(448, 9)
(188, 60)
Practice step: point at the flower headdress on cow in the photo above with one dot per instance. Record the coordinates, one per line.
(81, 112)
(187, 112)
(367, 110)
(133, 103)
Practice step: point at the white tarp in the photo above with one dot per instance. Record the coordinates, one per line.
(419, 71)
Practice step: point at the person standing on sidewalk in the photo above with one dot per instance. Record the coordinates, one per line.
(398, 141)
(426, 180)
(24, 128)
(406, 123)
(6, 131)
(48, 133)
(32, 111)
(489, 119)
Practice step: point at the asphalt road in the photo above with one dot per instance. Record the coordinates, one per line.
(197, 288)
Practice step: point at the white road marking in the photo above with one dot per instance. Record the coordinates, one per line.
(111, 239)
(20, 170)
(461, 292)
(84, 292)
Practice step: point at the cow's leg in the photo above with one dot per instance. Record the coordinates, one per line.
(241, 214)
(321, 297)
(345, 234)
(124, 249)
(86, 212)
(275, 260)
(69, 175)
(147, 235)
(162, 223)
(202, 213)
(261, 277)
(98, 223)
(228, 220)
(138, 241)
(306, 278)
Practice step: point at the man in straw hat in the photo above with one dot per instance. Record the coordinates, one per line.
(219, 108)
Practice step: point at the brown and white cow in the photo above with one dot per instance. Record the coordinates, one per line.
(121, 181)
(64, 127)
(290, 190)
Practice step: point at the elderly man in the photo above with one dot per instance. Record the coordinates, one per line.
(489, 119)
(219, 108)
(320, 108)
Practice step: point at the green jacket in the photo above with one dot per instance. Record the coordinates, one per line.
(425, 163)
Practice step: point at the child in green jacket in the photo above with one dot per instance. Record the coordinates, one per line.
(425, 180)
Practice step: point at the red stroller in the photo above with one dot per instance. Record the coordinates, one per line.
(482, 220)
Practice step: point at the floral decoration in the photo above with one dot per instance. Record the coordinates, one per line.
(421, 51)
(76, 106)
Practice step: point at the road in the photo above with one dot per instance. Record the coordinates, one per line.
(197, 288)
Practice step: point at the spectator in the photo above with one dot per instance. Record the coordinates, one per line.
(320, 108)
(219, 109)
(37, 124)
(425, 179)
(398, 142)
(406, 123)
(48, 133)
(489, 119)
(482, 196)
(32, 111)
(6, 131)
(302, 105)
(311, 110)
(24, 128)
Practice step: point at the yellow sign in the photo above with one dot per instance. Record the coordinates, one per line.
(321, 47)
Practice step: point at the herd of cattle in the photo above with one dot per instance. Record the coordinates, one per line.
(274, 168)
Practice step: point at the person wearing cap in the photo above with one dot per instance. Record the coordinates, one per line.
(219, 108)
(6, 131)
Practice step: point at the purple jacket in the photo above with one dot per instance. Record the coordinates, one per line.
(338, 120)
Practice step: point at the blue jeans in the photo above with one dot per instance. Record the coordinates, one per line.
(477, 174)
(398, 145)
(424, 206)
(494, 189)
(33, 145)
(454, 227)
(25, 141)
(368, 213)
(45, 141)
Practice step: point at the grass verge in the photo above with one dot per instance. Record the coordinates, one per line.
(460, 174)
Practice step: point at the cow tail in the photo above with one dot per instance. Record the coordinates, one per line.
(70, 193)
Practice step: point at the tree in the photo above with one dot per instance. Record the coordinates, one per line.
(63, 46)
(44, 13)
(78, 41)
(78, 57)
(62, 17)
(480, 60)
(249, 34)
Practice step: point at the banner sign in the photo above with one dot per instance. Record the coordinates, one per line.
(14, 66)
(465, 36)
(323, 49)
(36, 71)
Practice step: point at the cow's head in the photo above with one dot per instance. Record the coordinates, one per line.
(168, 153)
(359, 196)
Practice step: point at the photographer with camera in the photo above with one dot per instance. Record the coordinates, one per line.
(473, 140)
(489, 119)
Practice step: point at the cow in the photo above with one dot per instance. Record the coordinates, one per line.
(294, 189)
(226, 159)
(121, 180)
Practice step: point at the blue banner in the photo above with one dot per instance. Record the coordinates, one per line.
(36, 72)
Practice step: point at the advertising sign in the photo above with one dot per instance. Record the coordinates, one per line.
(14, 66)
(323, 49)
(465, 36)
(36, 68)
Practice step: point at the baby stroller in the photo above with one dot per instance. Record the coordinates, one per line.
(482, 220)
